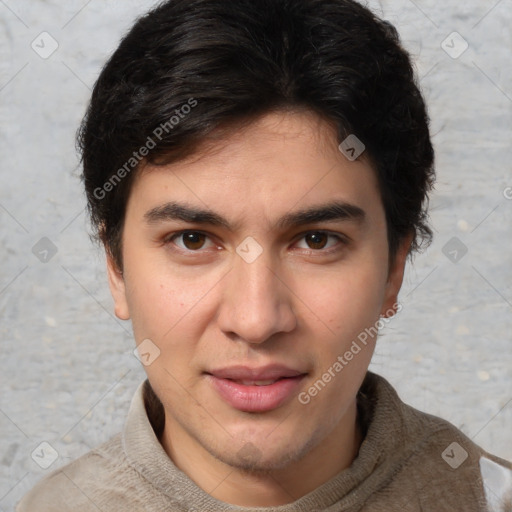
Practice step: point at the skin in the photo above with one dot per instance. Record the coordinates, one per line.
(301, 303)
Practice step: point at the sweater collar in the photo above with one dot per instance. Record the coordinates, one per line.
(377, 406)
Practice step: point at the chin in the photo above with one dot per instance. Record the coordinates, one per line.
(262, 458)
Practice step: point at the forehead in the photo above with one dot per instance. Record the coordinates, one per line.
(280, 161)
(263, 136)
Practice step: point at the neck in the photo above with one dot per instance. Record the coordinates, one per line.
(333, 454)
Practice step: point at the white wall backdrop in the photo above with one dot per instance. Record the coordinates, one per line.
(67, 367)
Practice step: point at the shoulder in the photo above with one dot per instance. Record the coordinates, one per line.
(414, 430)
(445, 442)
(431, 458)
(449, 468)
(90, 483)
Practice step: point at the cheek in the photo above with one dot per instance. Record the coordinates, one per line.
(350, 300)
(168, 307)
(171, 317)
(349, 305)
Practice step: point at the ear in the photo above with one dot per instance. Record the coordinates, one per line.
(117, 288)
(395, 277)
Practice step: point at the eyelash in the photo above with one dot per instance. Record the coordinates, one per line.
(342, 241)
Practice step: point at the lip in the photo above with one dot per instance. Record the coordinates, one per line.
(253, 398)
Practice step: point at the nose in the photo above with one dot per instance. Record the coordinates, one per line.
(256, 302)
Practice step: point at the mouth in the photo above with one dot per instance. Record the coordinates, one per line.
(256, 390)
(257, 382)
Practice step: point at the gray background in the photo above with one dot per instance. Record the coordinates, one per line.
(68, 371)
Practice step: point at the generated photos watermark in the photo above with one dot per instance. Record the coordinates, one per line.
(151, 142)
(343, 360)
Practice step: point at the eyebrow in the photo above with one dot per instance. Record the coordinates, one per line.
(333, 211)
(185, 213)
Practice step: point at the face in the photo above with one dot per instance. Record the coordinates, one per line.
(254, 268)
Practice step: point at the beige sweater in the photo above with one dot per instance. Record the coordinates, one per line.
(407, 462)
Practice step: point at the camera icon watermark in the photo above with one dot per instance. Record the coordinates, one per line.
(249, 453)
(44, 455)
(352, 147)
(507, 193)
(454, 455)
(44, 250)
(455, 250)
(454, 45)
(147, 352)
(45, 45)
(249, 250)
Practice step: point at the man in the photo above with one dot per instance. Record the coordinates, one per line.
(258, 174)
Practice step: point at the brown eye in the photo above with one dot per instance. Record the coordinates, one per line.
(321, 241)
(317, 240)
(191, 240)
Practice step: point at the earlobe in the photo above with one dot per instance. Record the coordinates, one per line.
(395, 277)
(117, 289)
